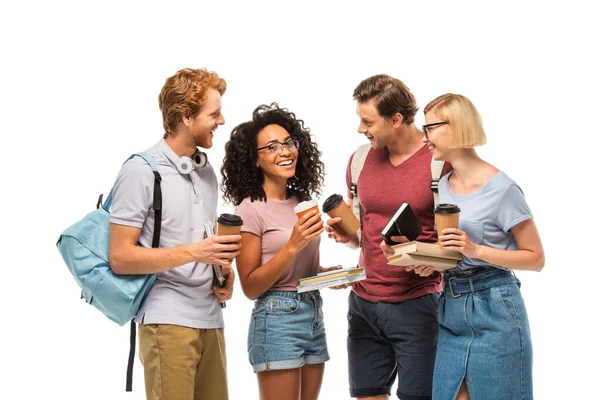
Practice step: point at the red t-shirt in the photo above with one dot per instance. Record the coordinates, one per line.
(382, 188)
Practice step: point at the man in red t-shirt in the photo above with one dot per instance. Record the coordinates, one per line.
(392, 316)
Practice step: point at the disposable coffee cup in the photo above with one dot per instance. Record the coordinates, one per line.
(446, 216)
(335, 206)
(305, 207)
(229, 224)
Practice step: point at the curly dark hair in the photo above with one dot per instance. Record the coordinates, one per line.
(241, 177)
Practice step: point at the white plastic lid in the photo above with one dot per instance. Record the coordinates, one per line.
(305, 205)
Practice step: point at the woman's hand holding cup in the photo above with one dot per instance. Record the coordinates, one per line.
(308, 227)
(457, 240)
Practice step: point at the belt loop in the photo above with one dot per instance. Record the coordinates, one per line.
(471, 285)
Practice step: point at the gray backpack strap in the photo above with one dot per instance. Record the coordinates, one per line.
(358, 161)
(436, 173)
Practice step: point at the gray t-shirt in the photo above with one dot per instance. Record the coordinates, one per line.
(183, 295)
(488, 214)
(273, 221)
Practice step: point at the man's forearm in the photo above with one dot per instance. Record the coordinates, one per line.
(143, 260)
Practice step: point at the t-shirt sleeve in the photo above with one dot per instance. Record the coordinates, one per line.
(512, 209)
(132, 194)
(349, 176)
(252, 220)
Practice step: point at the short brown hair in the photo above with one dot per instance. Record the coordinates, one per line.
(464, 119)
(184, 94)
(389, 95)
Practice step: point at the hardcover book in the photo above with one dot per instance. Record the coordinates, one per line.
(425, 249)
(404, 222)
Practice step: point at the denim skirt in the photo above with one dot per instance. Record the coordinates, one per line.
(484, 338)
(287, 331)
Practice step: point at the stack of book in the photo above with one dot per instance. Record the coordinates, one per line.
(331, 278)
(420, 253)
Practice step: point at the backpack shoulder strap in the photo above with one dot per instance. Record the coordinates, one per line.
(148, 158)
(157, 207)
(358, 162)
(436, 174)
(157, 201)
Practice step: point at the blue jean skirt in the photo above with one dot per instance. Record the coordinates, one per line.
(287, 331)
(484, 338)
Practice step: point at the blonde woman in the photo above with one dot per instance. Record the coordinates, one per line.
(484, 345)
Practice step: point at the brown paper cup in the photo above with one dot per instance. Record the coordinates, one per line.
(229, 224)
(335, 206)
(446, 216)
(228, 230)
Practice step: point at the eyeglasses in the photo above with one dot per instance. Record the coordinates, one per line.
(277, 147)
(426, 128)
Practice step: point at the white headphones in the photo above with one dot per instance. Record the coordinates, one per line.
(185, 165)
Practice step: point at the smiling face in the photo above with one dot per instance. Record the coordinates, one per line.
(276, 166)
(203, 125)
(378, 129)
(439, 137)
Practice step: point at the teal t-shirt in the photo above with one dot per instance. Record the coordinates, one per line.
(487, 215)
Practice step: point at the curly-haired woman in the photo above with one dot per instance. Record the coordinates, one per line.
(271, 164)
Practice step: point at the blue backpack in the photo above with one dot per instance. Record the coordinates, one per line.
(84, 247)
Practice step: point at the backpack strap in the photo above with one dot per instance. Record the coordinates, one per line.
(358, 162)
(157, 201)
(131, 358)
(157, 207)
(436, 173)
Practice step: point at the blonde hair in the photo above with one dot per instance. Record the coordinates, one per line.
(463, 117)
(184, 94)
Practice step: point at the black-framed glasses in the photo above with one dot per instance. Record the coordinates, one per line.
(277, 147)
(426, 128)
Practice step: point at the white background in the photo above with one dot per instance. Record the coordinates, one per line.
(78, 90)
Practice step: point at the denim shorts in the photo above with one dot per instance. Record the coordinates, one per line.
(484, 338)
(287, 331)
(389, 339)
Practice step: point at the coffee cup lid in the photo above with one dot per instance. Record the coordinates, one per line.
(447, 209)
(332, 202)
(305, 205)
(230, 220)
